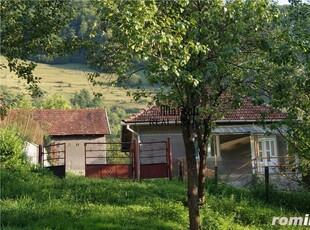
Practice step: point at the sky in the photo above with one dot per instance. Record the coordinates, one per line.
(283, 2)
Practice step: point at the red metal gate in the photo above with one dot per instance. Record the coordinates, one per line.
(155, 159)
(142, 161)
(107, 159)
(53, 157)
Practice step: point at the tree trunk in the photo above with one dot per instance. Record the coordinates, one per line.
(202, 172)
(192, 181)
(203, 134)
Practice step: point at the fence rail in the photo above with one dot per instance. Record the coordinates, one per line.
(107, 153)
(53, 157)
(143, 160)
(286, 166)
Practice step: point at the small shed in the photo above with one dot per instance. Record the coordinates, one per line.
(74, 127)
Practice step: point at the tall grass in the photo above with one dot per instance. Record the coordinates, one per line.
(38, 200)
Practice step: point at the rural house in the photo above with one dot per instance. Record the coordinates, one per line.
(70, 129)
(239, 145)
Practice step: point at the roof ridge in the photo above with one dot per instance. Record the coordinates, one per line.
(140, 112)
(248, 110)
(65, 109)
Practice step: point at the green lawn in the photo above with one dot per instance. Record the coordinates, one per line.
(66, 80)
(41, 201)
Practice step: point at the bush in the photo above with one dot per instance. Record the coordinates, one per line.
(11, 148)
(131, 82)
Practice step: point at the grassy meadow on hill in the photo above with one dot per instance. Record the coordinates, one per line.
(66, 79)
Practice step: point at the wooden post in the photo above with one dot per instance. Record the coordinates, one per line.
(65, 151)
(216, 152)
(41, 155)
(215, 175)
(85, 159)
(135, 161)
(256, 154)
(169, 159)
(267, 183)
(217, 149)
(180, 171)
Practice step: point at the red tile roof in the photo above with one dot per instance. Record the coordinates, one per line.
(246, 112)
(152, 113)
(62, 122)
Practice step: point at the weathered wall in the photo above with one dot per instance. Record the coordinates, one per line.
(75, 154)
(149, 133)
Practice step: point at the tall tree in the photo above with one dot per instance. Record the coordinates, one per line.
(195, 52)
(29, 28)
(54, 101)
(83, 99)
(288, 84)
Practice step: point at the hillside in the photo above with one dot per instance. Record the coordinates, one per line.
(67, 79)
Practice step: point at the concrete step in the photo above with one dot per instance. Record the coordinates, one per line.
(240, 180)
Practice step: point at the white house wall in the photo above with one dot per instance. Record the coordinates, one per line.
(32, 152)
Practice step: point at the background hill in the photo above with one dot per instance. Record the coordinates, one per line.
(67, 79)
(66, 86)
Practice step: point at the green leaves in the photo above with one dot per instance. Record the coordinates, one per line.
(29, 28)
(187, 46)
(11, 148)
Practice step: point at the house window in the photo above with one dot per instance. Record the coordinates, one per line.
(267, 152)
(260, 150)
(211, 147)
(210, 150)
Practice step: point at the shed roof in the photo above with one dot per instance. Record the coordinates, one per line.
(65, 122)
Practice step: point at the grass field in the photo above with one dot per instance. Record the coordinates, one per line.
(66, 80)
(41, 201)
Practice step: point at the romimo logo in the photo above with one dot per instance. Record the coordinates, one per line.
(294, 221)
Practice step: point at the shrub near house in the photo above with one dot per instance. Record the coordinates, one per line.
(11, 147)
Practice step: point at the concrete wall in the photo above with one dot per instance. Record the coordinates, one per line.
(75, 154)
(149, 133)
